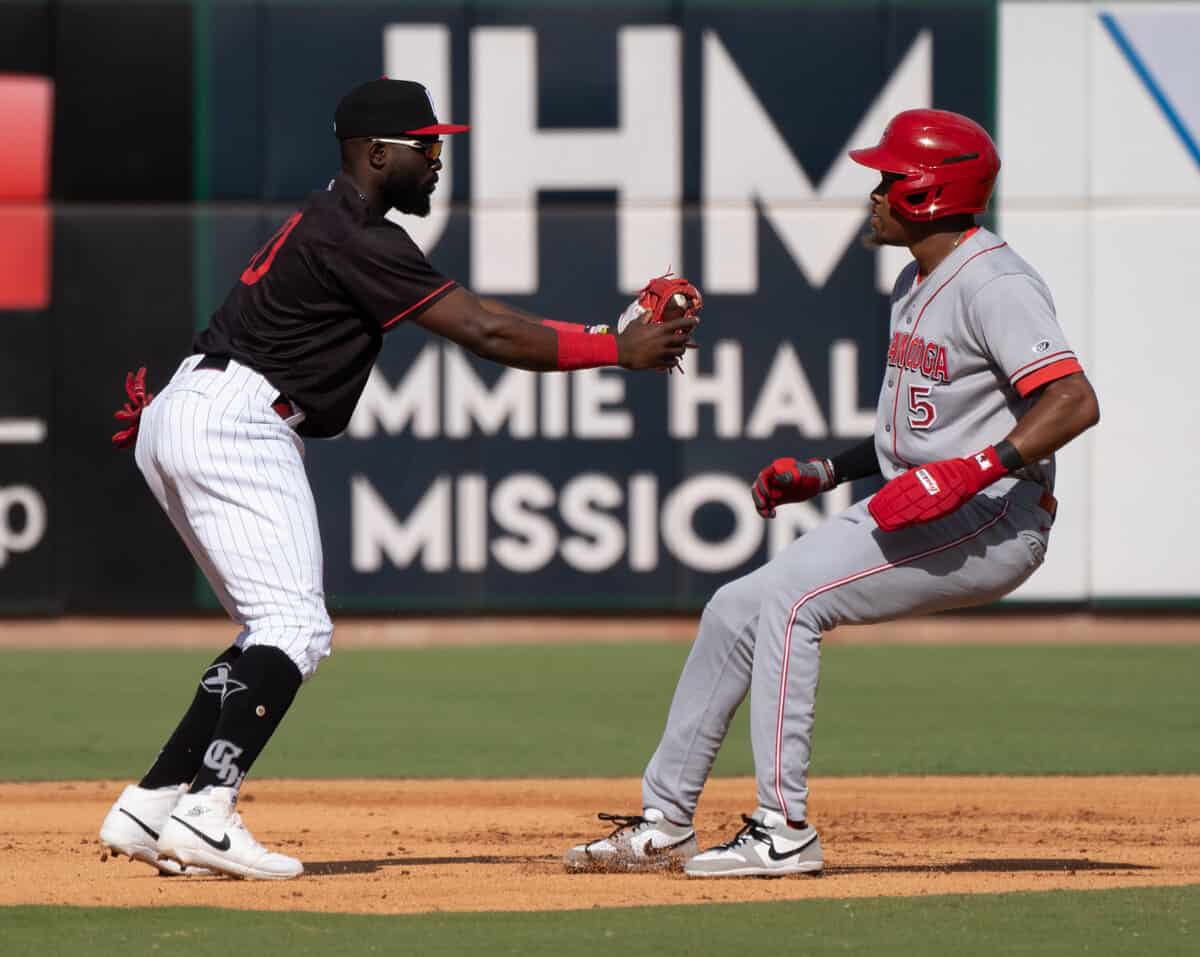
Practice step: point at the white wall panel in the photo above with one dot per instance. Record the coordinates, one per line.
(1043, 95)
(1146, 340)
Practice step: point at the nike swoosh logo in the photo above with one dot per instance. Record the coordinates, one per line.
(776, 856)
(221, 845)
(651, 851)
(142, 824)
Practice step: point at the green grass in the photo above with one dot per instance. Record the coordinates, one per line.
(597, 710)
(1159, 921)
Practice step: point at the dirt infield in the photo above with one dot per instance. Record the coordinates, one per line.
(399, 632)
(421, 846)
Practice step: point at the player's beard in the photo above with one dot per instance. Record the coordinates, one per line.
(408, 193)
(414, 200)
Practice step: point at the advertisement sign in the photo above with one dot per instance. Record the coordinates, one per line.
(26, 407)
(607, 146)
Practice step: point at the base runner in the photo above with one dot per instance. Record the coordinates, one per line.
(980, 389)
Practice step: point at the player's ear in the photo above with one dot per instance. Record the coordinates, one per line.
(377, 155)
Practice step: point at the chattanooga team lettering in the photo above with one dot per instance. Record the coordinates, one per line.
(916, 354)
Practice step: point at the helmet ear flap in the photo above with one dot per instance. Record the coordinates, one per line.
(916, 204)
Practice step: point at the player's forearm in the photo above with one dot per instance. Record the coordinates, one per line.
(504, 309)
(517, 343)
(499, 308)
(857, 462)
(510, 340)
(1066, 408)
(538, 347)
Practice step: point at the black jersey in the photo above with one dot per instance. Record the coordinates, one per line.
(311, 308)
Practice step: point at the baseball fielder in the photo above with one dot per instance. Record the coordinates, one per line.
(288, 355)
(980, 389)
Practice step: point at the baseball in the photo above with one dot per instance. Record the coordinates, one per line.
(675, 308)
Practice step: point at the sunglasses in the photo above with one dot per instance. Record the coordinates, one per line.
(431, 150)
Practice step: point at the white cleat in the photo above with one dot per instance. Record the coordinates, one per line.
(134, 822)
(648, 842)
(765, 847)
(206, 830)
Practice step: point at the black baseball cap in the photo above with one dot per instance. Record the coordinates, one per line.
(387, 107)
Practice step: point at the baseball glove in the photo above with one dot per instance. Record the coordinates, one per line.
(664, 297)
(131, 414)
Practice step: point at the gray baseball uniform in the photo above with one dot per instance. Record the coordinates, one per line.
(969, 345)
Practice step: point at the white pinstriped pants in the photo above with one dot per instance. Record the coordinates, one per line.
(229, 472)
(762, 633)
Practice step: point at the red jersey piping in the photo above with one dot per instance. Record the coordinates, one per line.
(1034, 380)
(420, 302)
(1061, 352)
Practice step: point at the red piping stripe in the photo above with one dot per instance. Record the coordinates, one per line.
(420, 302)
(1032, 381)
(901, 369)
(821, 590)
(1062, 352)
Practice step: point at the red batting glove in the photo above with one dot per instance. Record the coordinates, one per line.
(786, 480)
(139, 398)
(929, 492)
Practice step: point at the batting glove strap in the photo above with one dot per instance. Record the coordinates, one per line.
(929, 492)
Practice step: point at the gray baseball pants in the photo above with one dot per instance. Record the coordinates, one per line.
(762, 633)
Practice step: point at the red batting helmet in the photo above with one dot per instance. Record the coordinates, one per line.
(948, 161)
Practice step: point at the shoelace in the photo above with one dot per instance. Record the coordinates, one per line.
(236, 821)
(622, 821)
(750, 829)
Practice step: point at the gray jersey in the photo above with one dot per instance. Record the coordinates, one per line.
(968, 346)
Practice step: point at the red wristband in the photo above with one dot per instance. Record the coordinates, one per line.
(581, 350)
(989, 467)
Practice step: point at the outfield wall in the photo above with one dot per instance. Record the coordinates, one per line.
(152, 147)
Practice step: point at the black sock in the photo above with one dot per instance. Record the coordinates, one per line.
(180, 757)
(262, 685)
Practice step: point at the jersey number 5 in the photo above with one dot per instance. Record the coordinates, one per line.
(260, 262)
(921, 412)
